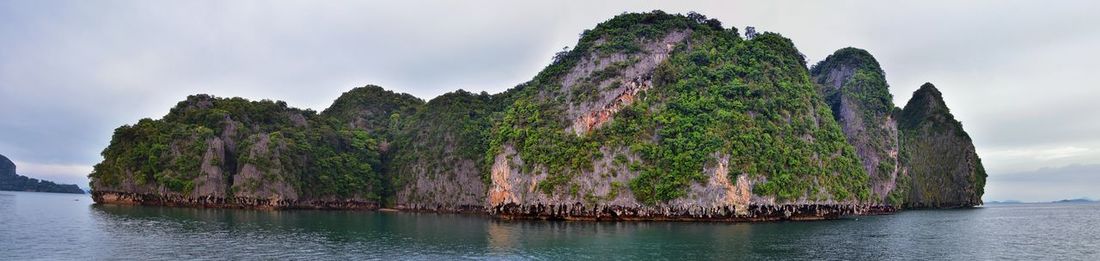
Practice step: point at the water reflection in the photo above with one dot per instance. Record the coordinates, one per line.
(416, 234)
(185, 233)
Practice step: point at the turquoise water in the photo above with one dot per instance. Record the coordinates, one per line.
(64, 226)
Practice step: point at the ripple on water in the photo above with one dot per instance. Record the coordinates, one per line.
(56, 227)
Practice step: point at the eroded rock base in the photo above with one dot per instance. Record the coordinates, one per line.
(126, 198)
(753, 213)
(469, 209)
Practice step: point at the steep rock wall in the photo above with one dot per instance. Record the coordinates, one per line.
(854, 86)
(704, 102)
(943, 167)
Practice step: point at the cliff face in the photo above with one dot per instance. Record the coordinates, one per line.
(659, 116)
(926, 161)
(211, 151)
(439, 165)
(651, 116)
(854, 86)
(941, 162)
(11, 181)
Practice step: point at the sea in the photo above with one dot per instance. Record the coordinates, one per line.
(48, 226)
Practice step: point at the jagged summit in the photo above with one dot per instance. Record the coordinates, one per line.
(851, 57)
(926, 102)
(942, 163)
(855, 88)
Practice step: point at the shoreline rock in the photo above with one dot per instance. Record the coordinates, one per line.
(143, 199)
(754, 213)
(511, 211)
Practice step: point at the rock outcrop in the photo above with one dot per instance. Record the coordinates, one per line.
(651, 116)
(440, 162)
(943, 168)
(855, 88)
(219, 152)
(926, 162)
(12, 181)
(672, 117)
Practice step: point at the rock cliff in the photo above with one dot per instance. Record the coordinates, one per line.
(651, 116)
(439, 165)
(854, 86)
(231, 152)
(666, 116)
(943, 168)
(927, 162)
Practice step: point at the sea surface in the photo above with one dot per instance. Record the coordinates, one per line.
(46, 226)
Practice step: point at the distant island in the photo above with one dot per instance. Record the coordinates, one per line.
(10, 181)
(1076, 200)
(651, 116)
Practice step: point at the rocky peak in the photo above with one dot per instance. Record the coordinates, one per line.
(926, 104)
(838, 67)
(927, 97)
(850, 56)
(854, 86)
(370, 107)
(942, 164)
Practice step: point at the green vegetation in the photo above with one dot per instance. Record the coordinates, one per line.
(853, 58)
(854, 85)
(317, 155)
(156, 152)
(939, 154)
(866, 89)
(751, 100)
(373, 109)
(445, 132)
(715, 96)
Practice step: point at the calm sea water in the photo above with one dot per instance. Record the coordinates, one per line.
(60, 226)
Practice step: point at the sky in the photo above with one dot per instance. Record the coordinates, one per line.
(1020, 75)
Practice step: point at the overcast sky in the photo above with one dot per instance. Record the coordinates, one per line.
(1020, 75)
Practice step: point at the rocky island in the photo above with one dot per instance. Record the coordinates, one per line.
(11, 181)
(651, 116)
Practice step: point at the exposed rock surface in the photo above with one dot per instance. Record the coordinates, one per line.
(651, 117)
(627, 112)
(11, 181)
(178, 200)
(926, 162)
(618, 91)
(944, 169)
(855, 88)
(750, 213)
(439, 164)
(211, 151)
